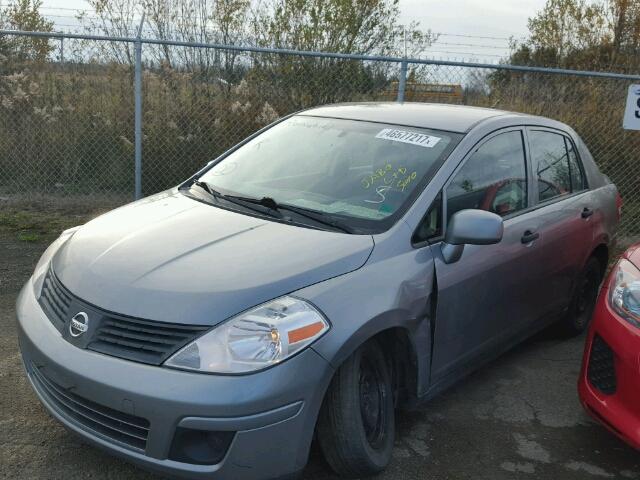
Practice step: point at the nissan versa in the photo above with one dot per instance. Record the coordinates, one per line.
(340, 263)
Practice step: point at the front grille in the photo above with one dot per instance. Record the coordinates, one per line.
(143, 341)
(125, 429)
(55, 300)
(139, 340)
(601, 370)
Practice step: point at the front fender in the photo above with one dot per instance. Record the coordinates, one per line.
(391, 292)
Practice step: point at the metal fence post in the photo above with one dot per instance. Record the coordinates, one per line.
(137, 93)
(403, 81)
(61, 50)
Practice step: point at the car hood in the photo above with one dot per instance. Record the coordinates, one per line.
(172, 258)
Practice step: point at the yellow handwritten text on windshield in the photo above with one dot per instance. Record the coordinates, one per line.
(398, 178)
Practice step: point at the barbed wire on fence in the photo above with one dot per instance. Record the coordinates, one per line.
(89, 21)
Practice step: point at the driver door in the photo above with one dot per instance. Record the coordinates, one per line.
(489, 294)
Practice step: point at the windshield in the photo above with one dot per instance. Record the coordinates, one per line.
(364, 174)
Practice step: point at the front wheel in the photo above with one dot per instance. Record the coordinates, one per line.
(356, 426)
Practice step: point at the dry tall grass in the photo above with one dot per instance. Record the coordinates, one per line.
(67, 130)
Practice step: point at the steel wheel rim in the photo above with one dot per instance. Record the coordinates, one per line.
(372, 403)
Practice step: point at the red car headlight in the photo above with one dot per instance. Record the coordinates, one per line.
(624, 292)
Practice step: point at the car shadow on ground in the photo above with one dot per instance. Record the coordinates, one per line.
(517, 417)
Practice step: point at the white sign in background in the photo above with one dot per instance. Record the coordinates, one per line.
(632, 111)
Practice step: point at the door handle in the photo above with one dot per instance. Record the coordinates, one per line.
(529, 236)
(587, 212)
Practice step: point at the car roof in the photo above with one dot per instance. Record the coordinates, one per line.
(452, 118)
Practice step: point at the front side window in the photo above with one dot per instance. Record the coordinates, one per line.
(494, 178)
(363, 174)
(551, 161)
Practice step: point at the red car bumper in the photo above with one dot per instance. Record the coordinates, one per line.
(609, 385)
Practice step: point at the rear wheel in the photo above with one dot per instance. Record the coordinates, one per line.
(584, 299)
(356, 426)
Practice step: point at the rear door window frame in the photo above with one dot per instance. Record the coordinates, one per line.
(585, 181)
(534, 176)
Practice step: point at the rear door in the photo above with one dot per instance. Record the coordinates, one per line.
(565, 208)
(491, 293)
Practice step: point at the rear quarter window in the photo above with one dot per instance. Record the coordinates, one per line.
(576, 170)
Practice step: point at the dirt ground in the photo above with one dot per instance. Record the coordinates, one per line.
(517, 418)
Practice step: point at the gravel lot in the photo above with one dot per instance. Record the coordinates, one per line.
(518, 417)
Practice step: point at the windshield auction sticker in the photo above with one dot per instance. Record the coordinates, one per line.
(404, 136)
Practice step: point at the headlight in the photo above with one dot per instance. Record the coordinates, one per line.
(624, 295)
(256, 339)
(43, 264)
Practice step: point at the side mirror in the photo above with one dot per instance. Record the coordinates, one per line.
(470, 227)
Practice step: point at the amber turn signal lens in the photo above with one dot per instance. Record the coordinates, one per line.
(305, 332)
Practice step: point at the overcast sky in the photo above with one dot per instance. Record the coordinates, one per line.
(461, 22)
(478, 17)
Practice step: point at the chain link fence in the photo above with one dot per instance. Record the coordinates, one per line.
(68, 124)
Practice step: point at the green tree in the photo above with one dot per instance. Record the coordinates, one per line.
(568, 25)
(581, 34)
(368, 27)
(362, 26)
(25, 15)
(623, 18)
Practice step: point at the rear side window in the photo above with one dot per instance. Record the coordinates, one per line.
(494, 178)
(556, 165)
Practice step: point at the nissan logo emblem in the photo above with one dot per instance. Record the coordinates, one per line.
(79, 324)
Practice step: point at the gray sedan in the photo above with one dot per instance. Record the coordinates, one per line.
(343, 262)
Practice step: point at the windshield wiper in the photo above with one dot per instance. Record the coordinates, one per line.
(236, 200)
(206, 187)
(271, 207)
(317, 216)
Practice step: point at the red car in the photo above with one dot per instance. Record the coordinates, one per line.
(609, 384)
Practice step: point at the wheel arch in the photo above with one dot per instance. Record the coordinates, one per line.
(400, 353)
(400, 344)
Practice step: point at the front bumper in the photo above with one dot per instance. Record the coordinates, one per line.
(273, 412)
(616, 402)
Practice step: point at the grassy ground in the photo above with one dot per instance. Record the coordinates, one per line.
(38, 225)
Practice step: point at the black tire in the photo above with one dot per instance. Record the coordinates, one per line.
(584, 299)
(356, 426)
